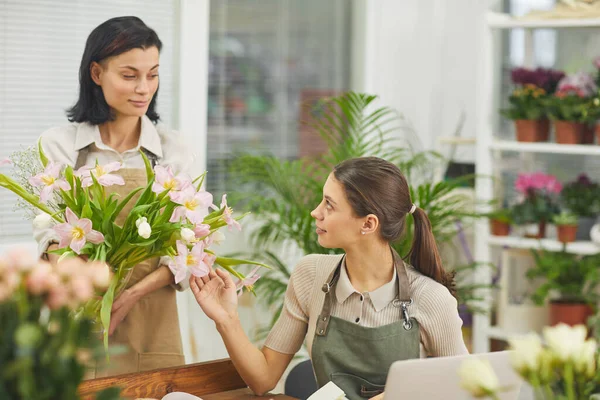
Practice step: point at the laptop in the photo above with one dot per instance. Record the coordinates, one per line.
(437, 378)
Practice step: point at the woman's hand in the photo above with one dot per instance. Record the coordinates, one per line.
(217, 296)
(121, 307)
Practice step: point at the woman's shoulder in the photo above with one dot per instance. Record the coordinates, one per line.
(60, 134)
(315, 267)
(176, 152)
(58, 142)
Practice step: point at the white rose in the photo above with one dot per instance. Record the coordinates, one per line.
(478, 377)
(526, 352)
(565, 341)
(218, 237)
(140, 221)
(43, 221)
(144, 230)
(188, 235)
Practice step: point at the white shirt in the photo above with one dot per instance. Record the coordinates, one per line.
(62, 144)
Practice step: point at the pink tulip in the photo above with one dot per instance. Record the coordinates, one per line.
(194, 260)
(166, 180)
(102, 173)
(248, 281)
(39, 279)
(76, 232)
(58, 297)
(228, 214)
(49, 181)
(99, 272)
(193, 205)
(4, 162)
(82, 287)
(201, 230)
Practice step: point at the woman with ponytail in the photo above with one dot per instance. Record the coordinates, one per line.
(360, 311)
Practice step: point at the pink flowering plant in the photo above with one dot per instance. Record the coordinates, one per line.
(171, 216)
(43, 350)
(538, 194)
(573, 99)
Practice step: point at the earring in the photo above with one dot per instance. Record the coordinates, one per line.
(363, 232)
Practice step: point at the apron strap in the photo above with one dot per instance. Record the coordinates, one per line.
(83, 155)
(327, 287)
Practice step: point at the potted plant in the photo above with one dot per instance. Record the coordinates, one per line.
(527, 107)
(500, 221)
(569, 282)
(568, 108)
(566, 225)
(537, 204)
(582, 198)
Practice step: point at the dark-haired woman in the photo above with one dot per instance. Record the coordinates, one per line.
(113, 119)
(361, 311)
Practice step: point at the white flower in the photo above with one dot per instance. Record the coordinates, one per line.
(526, 352)
(478, 377)
(43, 221)
(218, 237)
(188, 235)
(144, 228)
(565, 341)
(585, 358)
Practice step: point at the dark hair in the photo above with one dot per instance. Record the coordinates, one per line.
(376, 186)
(111, 38)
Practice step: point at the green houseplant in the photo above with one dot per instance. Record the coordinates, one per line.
(566, 225)
(582, 197)
(500, 221)
(568, 281)
(283, 193)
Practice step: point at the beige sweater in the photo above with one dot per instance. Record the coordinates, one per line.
(433, 307)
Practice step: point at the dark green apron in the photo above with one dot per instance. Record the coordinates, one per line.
(357, 358)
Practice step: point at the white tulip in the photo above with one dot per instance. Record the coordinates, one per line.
(140, 221)
(478, 377)
(585, 358)
(43, 221)
(526, 352)
(188, 235)
(565, 341)
(144, 230)
(218, 237)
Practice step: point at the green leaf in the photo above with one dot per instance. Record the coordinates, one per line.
(105, 310)
(148, 165)
(43, 158)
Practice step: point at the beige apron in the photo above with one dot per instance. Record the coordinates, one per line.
(150, 330)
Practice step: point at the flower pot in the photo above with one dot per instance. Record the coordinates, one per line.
(588, 134)
(566, 233)
(535, 231)
(532, 130)
(568, 132)
(585, 225)
(569, 313)
(598, 133)
(499, 228)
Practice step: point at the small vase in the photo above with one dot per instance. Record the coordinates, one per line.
(566, 233)
(532, 130)
(568, 132)
(499, 228)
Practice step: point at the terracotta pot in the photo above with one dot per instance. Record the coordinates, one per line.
(568, 132)
(566, 233)
(532, 130)
(588, 134)
(569, 313)
(499, 228)
(540, 233)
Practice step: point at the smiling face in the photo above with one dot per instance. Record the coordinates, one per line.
(128, 80)
(337, 224)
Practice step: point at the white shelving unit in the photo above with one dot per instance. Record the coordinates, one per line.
(488, 146)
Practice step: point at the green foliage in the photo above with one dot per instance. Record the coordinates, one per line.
(502, 215)
(534, 209)
(568, 108)
(565, 218)
(527, 103)
(581, 197)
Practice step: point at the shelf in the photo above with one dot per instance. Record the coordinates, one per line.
(495, 332)
(583, 248)
(546, 147)
(506, 21)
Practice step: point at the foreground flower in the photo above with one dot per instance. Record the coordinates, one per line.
(478, 377)
(144, 228)
(102, 173)
(192, 260)
(248, 282)
(565, 341)
(76, 232)
(228, 214)
(6, 161)
(526, 354)
(49, 181)
(166, 180)
(193, 205)
(43, 221)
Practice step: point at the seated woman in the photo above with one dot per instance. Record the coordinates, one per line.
(360, 311)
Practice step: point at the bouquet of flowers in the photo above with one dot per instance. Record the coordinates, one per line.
(565, 366)
(539, 202)
(43, 350)
(171, 216)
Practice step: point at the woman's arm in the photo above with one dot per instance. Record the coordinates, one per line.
(261, 370)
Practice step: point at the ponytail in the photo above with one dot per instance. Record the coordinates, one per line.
(424, 255)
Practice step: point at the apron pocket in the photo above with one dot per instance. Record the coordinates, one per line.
(149, 361)
(354, 385)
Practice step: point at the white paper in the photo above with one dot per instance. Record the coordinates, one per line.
(330, 391)
(180, 396)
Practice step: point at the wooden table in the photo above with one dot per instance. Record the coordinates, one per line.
(213, 380)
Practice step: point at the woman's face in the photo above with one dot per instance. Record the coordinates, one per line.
(128, 80)
(337, 226)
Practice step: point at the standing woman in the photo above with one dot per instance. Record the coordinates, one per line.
(360, 311)
(113, 120)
